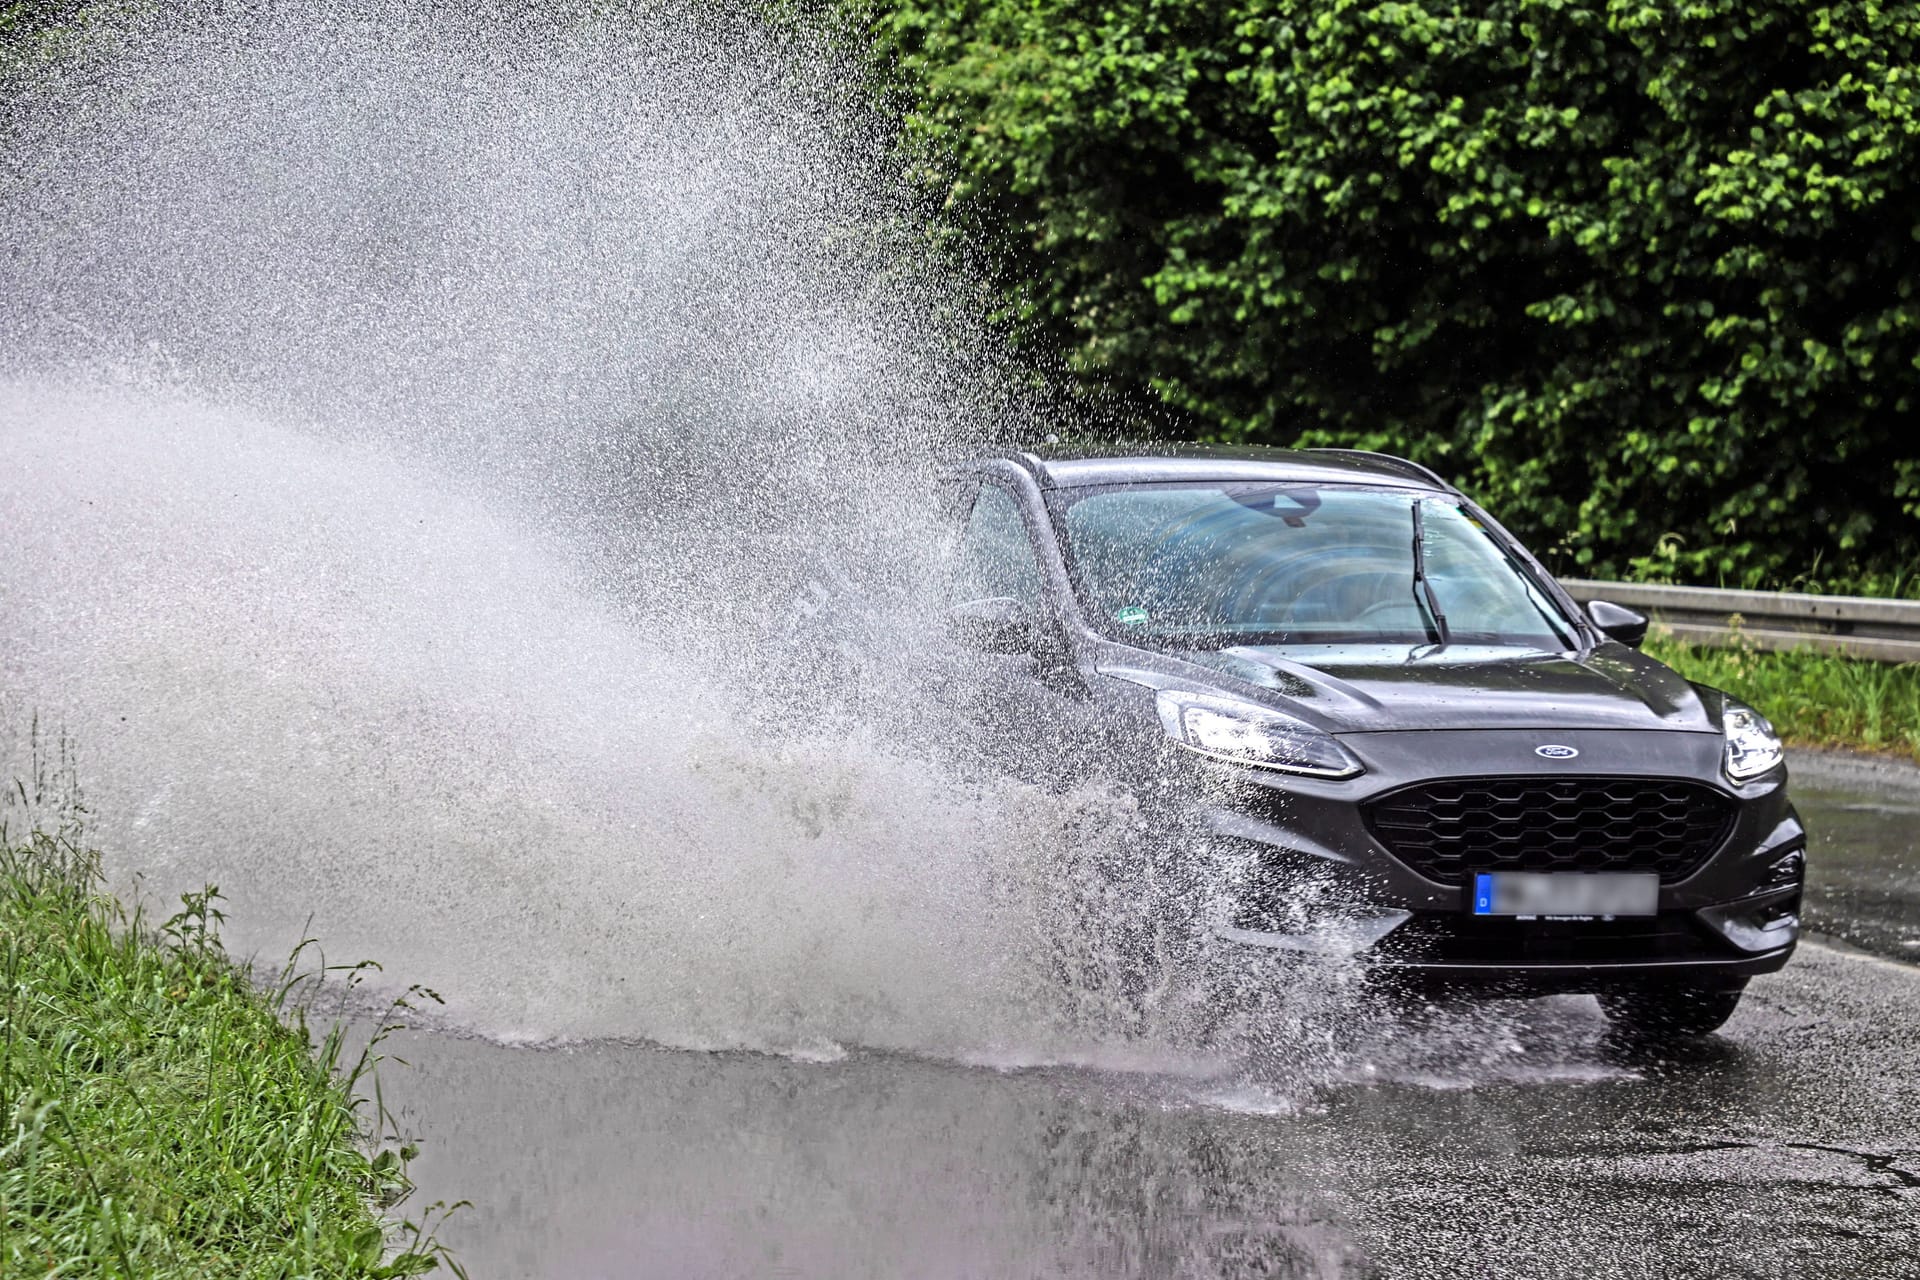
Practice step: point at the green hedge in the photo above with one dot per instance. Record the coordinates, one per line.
(1642, 276)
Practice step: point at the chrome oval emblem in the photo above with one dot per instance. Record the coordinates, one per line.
(1554, 751)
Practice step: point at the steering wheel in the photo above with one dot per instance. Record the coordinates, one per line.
(1328, 591)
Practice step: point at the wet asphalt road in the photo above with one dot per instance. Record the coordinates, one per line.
(1514, 1142)
(1864, 876)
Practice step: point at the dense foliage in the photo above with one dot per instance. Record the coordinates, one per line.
(1640, 275)
(23, 22)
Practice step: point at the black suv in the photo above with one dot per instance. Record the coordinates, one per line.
(1445, 767)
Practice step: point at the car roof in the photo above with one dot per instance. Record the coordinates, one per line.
(1063, 467)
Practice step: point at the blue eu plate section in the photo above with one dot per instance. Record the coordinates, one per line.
(1483, 894)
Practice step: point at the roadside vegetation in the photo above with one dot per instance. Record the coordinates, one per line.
(161, 1115)
(1625, 272)
(1813, 699)
(1898, 582)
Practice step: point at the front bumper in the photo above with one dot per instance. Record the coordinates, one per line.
(1539, 957)
(1734, 916)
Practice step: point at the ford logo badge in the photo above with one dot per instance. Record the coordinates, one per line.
(1554, 751)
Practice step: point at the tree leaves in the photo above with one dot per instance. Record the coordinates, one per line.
(1626, 270)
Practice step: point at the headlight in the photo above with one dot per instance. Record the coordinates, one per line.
(1752, 745)
(1246, 733)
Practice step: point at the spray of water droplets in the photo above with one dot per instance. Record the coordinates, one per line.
(412, 429)
(418, 428)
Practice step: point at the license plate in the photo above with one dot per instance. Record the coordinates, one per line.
(1532, 893)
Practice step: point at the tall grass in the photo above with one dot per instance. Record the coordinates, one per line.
(1813, 699)
(160, 1115)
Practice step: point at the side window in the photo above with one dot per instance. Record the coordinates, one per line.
(996, 557)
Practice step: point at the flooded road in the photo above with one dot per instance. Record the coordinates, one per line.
(1513, 1141)
(411, 428)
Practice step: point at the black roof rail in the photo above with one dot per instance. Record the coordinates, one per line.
(1031, 464)
(1027, 462)
(1428, 472)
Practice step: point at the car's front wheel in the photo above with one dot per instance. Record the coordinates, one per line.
(1672, 1011)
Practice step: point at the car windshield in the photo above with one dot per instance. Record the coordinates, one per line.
(1210, 565)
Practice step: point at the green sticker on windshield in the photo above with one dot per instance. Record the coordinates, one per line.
(1132, 615)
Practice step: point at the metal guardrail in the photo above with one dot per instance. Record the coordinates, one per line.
(1888, 630)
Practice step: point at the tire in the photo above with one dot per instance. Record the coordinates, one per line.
(1678, 1011)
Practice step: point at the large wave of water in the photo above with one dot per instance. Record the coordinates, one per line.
(411, 431)
(416, 426)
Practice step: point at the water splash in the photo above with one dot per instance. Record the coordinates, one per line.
(410, 430)
(413, 428)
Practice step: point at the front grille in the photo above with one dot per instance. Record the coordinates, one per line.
(1450, 828)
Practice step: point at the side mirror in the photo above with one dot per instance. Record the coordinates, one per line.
(997, 624)
(1619, 622)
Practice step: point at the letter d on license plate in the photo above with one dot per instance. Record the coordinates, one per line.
(1531, 893)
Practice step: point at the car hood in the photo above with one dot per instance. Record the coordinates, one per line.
(1374, 688)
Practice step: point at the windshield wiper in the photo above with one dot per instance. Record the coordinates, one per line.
(1422, 587)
